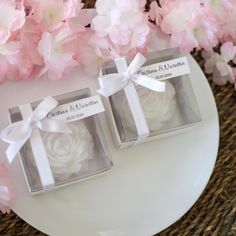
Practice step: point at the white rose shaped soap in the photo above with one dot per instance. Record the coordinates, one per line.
(158, 107)
(66, 152)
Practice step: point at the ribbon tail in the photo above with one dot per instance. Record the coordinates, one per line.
(15, 132)
(111, 84)
(13, 149)
(47, 105)
(121, 65)
(150, 83)
(136, 63)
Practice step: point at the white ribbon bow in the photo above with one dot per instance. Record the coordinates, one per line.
(112, 83)
(18, 133)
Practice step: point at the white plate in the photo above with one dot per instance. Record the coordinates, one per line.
(150, 187)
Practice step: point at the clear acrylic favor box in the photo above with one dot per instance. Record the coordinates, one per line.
(168, 113)
(72, 157)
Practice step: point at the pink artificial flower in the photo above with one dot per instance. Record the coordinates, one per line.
(27, 61)
(104, 7)
(190, 24)
(218, 64)
(12, 18)
(123, 23)
(20, 66)
(19, 56)
(55, 48)
(51, 14)
(7, 53)
(227, 21)
(92, 51)
(77, 24)
(220, 8)
(30, 35)
(10, 48)
(7, 191)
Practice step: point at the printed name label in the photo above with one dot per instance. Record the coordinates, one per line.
(167, 69)
(78, 110)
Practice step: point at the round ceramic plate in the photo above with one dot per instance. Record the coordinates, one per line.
(150, 186)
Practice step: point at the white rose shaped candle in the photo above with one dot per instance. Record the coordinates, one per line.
(66, 152)
(158, 107)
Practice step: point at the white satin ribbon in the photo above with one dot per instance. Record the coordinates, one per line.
(125, 79)
(18, 133)
(112, 83)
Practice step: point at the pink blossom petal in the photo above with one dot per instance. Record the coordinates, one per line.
(7, 190)
(231, 78)
(105, 6)
(51, 14)
(139, 37)
(41, 72)
(101, 24)
(180, 21)
(45, 45)
(86, 16)
(10, 48)
(120, 36)
(4, 35)
(57, 50)
(210, 64)
(219, 79)
(207, 54)
(76, 24)
(30, 35)
(19, 17)
(72, 8)
(185, 40)
(124, 25)
(222, 68)
(131, 17)
(127, 5)
(228, 51)
(90, 61)
(12, 18)
(206, 39)
(190, 24)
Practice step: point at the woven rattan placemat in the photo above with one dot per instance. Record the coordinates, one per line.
(215, 211)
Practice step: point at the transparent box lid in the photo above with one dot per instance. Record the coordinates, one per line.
(72, 157)
(164, 113)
